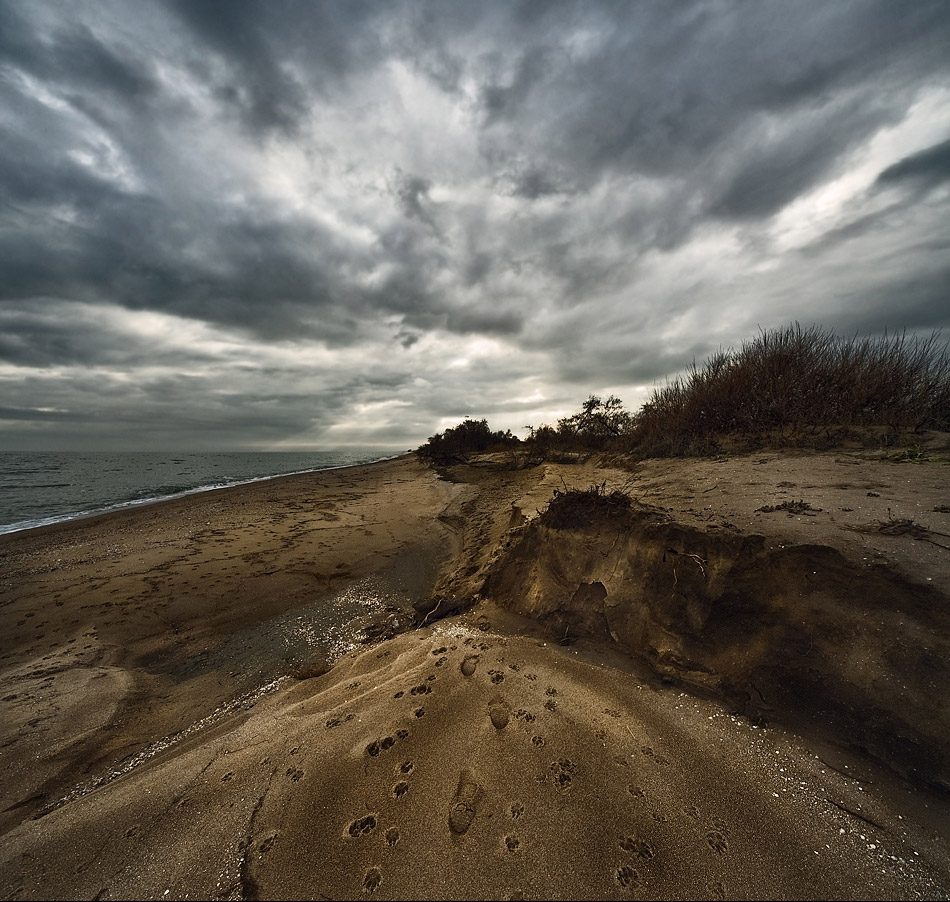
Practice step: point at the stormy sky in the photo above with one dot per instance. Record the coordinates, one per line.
(287, 225)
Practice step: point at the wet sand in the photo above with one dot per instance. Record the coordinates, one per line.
(159, 740)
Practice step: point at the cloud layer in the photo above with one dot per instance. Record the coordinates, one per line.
(241, 224)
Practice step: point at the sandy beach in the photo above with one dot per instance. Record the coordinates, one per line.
(391, 682)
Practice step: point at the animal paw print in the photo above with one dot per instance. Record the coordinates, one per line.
(717, 841)
(628, 877)
(421, 689)
(564, 770)
(496, 676)
(354, 685)
(550, 691)
(512, 842)
(333, 722)
(400, 789)
(267, 843)
(294, 773)
(516, 811)
(550, 704)
(441, 661)
(380, 745)
(526, 716)
(531, 676)
(402, 734)
(537, 742)
(611, 712)
(372, 880)
(637, 847)
(406, 767)
(636, 791)
(362, 825)
(692, 811)
(420, 712)
(392, 837)
(228, 777)
(439, 651)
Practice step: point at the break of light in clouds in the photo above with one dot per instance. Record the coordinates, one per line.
(291, 225)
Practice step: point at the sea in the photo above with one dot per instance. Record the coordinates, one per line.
(50, 487)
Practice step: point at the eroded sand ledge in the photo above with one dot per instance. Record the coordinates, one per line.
(693, 738)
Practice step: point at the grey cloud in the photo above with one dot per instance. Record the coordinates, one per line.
(930, 166)
(560, 186)
(411, 191)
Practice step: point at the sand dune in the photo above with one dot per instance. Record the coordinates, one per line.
(586, 723)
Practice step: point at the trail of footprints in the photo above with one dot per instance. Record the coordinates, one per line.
(462, 808)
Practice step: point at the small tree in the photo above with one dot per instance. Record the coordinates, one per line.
(597, 422)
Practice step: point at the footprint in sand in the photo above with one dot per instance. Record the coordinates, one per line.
(498, 713)
(628, 877)
(463, 803)
(717, 841)
(400, 789)
(563, 770)
(267, 843)
(469, 665)
(372, 880)
(362, 825)
(380, 745)
(637, 847)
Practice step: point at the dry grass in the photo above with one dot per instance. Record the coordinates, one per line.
(576, 508)
(798, 387)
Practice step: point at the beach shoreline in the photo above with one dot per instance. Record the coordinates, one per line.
(155, 657)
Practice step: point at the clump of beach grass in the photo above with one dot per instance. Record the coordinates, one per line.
(798, 386)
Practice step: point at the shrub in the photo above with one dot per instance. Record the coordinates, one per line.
(469, 437)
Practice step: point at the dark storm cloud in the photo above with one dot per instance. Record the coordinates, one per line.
(538, 198)
(930, 166)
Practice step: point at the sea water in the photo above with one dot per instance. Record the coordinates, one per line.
(49, 487)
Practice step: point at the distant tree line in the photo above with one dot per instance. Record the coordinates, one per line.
(787, 387)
